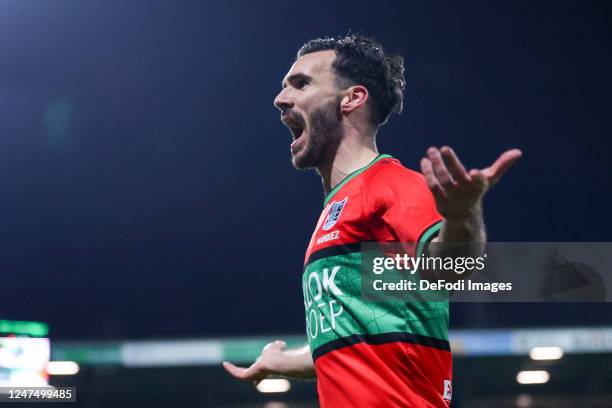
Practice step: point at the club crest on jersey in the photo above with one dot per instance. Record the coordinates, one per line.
(334, 213)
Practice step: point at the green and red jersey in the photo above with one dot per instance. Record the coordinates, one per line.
(386, 354)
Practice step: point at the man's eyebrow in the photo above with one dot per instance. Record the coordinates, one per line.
(295, 78)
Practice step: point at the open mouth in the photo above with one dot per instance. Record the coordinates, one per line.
(296, 130)
(294, 124)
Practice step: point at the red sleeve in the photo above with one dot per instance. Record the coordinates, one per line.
(399, 205)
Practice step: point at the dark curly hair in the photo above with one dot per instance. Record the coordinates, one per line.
(362, 61)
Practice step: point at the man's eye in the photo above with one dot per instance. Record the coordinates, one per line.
(301, 84)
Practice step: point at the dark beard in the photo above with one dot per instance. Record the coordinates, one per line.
(324, 135)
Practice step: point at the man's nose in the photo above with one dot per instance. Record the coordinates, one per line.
(283, 102)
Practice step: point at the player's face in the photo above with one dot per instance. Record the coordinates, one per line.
(309, 104)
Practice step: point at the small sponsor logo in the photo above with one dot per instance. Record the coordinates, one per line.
(330, 236)
(334, 213)
(448, 390)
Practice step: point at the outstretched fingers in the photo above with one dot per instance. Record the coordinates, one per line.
(441, 172)
(430, 177)
(454, 165)
(240, 372)
(501, 165)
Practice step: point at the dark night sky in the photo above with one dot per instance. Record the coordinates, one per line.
(145, 182)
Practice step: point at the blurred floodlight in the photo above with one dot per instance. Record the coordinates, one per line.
(276, 404)
(274, 385)
(546, 353)
(533, 377)
(62, 368)
(524, 401)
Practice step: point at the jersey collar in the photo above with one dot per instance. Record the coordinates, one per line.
(352, 176)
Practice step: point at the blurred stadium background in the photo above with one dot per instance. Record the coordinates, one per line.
(519, 368)
(152, 225)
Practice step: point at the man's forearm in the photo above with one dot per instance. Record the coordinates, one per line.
(299, 363)
(465, 238)
(295, 363)
(468, 230)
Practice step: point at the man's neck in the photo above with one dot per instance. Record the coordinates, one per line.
(352, 154)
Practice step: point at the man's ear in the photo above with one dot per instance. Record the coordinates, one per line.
(354, 98)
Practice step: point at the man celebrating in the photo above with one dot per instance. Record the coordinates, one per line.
(334, 99)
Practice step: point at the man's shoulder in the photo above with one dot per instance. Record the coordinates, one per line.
(398, 198)
(390, 173)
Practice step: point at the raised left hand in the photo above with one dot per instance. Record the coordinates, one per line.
(458, 193)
